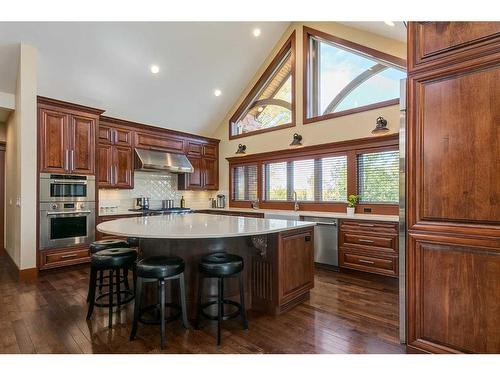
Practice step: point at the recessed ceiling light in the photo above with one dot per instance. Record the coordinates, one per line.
(256, 32)
(155, 69)
(217, 92)
(389, 23)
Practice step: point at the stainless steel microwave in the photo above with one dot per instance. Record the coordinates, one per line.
(66, 188)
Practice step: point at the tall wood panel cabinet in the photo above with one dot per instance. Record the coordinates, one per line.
(453, 187)
(66, 137)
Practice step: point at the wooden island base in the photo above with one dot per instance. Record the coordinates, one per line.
(278, 268)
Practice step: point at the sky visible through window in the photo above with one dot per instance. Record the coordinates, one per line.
(338, 67)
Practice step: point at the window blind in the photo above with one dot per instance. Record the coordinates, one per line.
(245, 183)
(313, 180)
(378, 177)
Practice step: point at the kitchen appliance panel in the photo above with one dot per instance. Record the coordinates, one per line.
(66, 188)
(326, 249)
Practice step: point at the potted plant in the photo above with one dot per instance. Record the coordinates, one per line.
(352, 200)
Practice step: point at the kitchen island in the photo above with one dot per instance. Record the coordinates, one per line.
(278, 254)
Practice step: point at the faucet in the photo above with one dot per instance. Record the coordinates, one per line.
(296, 203)
(255, 204)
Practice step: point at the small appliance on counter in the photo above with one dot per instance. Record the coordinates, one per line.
(162, 211)
(220, 201)
(167, 203)
(141, 203)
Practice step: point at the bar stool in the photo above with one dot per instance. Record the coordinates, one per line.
(113, 261)
(104, 245)
(221, 266)
(159, 269)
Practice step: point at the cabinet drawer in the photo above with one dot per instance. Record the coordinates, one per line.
(156, 141)
(194, 148)
(386, 242)
(369, 226)
(363, 262)
(64, 257)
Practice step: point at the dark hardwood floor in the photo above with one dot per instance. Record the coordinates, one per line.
(347, 313)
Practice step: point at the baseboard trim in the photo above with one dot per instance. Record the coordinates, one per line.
(26, 275)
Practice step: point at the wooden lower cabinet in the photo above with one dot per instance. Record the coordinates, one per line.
(369, 246)
(296, 265)
(63, 257)
(454, 301)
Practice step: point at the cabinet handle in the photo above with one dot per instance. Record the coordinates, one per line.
(72, 160)
(69, 256)
(365, 261)
(363, 240)
(366, 225)
(307, 238)
(66, 160)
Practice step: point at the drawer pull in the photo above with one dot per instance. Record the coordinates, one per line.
(366, 225)
(68, 256)
(365, 261)
(366, 241)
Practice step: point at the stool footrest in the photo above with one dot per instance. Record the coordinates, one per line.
(227, 316)
(155, 310)
(128, 294)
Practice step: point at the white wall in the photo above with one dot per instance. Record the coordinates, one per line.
(21, 164)
(353, 126)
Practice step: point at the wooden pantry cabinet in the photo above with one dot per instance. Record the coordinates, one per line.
(453, 187)
(66, 137)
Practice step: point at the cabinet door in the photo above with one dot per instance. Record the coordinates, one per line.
(157, 141)
(105, 134)
(105, 172)
(54, 142)
(122, 137)
(210, 169)
(82, 145)
(122, 164)
(195, 179)
(210, 151)
(296, 262)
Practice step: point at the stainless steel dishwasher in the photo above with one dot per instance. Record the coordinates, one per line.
(326, 248)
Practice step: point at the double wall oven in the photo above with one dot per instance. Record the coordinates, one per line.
(67, 210)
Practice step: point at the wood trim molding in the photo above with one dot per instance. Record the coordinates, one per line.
(42, 100)
(288, 45)
(151, 128)
(325, 148)
(350, 148)
(26, 275)
(307, 32)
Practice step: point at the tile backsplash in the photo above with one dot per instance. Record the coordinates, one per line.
(157, 187)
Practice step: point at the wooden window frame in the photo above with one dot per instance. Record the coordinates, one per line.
(369, 52)
(349, 148)
(288, 46)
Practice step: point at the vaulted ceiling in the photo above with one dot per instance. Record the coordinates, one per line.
(107, 65)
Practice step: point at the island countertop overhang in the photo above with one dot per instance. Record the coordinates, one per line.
(196, 225)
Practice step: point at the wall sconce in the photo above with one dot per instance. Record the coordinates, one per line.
(241, 149)
(297, 140)
(381, 126)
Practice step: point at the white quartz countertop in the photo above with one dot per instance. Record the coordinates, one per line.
(196, 226)
(290, 213)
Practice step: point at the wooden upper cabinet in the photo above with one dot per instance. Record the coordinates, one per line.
(193, 148)
(192, 181)
(54, 142)
(149, 140)
(67, 137)
(123, 167)
(210, 169)
(122, 137)
(105, 134)
(457, 131)
(441, 43)
(105, 171)
(210, 151)
(82, 153)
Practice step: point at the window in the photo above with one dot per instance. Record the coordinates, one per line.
(378, 177)
(313, 180)
(270, 104)
(343, 77)
(244, 183)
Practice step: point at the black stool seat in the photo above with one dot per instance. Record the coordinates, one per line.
(113, 258)
(221, 264)
(160, 267)
(107, 244)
